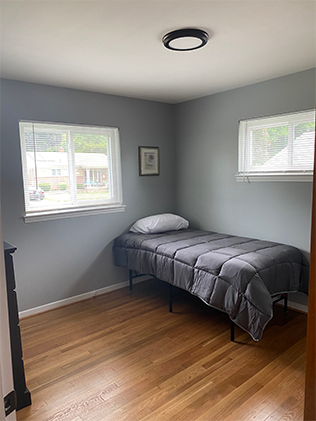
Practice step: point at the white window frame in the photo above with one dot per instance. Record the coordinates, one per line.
(76, 209)
(247, 173)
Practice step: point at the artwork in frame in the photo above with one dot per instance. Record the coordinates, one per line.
(148, 160)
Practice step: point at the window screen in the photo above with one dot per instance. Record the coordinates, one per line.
(279, 145)
(69, 167)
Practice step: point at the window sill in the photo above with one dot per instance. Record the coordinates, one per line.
(297, 177)
(71, 213)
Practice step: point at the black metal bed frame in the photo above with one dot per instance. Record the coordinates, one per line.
(283, 296)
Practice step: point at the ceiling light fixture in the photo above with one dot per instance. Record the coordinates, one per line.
(185, 39)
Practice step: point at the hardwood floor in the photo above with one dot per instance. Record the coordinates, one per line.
(122, 356)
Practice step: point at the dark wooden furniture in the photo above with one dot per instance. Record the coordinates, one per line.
(22, 393)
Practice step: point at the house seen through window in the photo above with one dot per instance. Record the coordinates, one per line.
(70, 167)
(275, 147)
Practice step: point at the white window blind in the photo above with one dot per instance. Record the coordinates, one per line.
(277, 148)
(70, 167)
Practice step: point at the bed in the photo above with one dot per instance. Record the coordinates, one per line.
(238, 275)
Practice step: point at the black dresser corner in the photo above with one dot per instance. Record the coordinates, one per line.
(22, 393)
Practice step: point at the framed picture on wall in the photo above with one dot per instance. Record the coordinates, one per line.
(148, 160)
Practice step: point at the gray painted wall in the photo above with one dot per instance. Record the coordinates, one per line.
(63, 258)
(198, 147)
(207, 143)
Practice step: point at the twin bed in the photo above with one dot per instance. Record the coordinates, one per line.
(238, 275)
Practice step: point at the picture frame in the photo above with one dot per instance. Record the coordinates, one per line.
(148, 160)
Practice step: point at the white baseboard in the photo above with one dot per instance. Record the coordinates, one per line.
(76, 298)
(50, 306)
(297, 306)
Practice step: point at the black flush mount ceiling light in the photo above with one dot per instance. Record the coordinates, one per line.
(185, 39)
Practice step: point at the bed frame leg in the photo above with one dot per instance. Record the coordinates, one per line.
(170, 298)
(232, 331)
(285, 303)
(130, 280)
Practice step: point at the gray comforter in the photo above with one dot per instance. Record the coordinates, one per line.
(234, 274)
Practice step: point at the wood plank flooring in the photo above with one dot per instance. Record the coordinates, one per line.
(122, 356)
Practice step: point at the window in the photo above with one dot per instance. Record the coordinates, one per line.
(277, 148)
(56, 171)
(70, 170)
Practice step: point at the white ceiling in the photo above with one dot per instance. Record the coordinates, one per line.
(114, 46)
